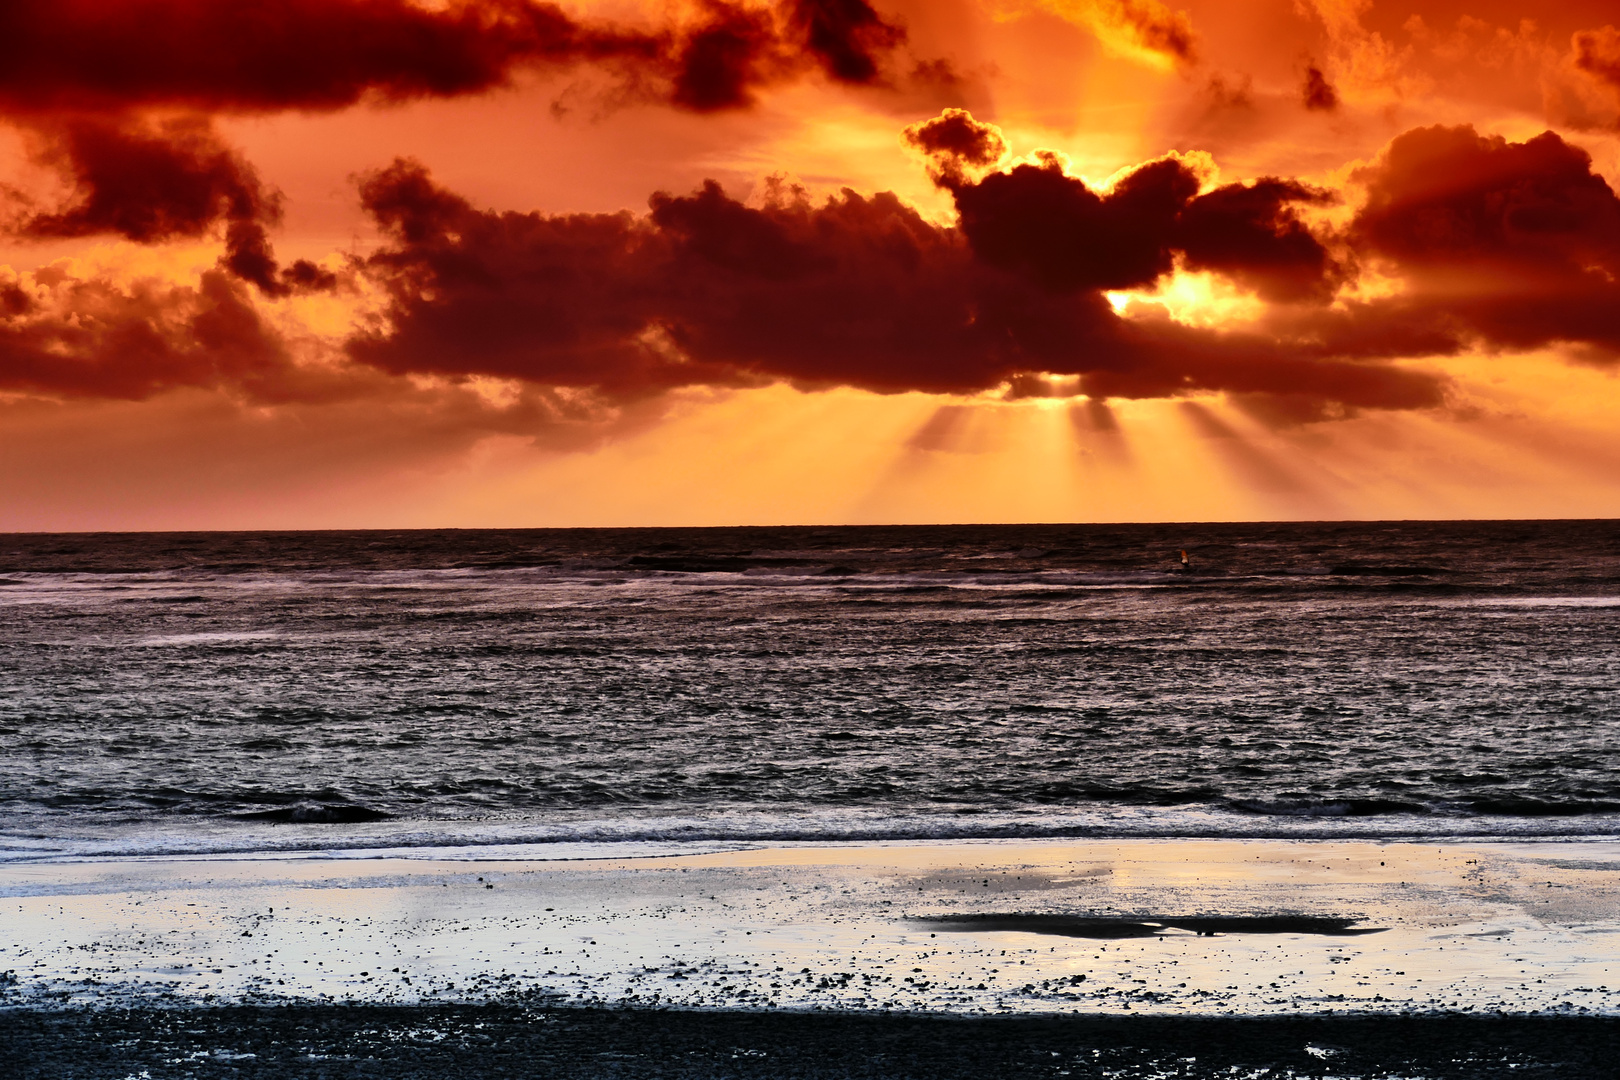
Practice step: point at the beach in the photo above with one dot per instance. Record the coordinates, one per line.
(927, 959)
(1169, 927)
(869, 802)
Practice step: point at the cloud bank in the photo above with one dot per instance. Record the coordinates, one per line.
(83, 55)
(118, 100)
(1492, 246)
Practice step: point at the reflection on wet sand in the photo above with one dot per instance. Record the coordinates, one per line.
(1149, 925)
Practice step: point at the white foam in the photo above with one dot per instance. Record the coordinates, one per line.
(554, 835)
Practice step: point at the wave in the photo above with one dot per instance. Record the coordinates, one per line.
(677, 687)
(838, 573)
(1505, 807)
(315, 834)
(1327, 807)
(317, 813)
(1543, 808)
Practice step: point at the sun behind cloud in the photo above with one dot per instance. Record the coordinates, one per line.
(811, 260)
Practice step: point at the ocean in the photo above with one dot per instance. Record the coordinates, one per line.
(656, 690)
(1024, 801)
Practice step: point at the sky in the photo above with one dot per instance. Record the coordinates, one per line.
(501, 263)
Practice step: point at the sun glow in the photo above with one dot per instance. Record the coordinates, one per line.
(279, 304)
(1192, 299)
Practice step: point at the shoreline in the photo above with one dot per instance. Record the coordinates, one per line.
(1178, 928)
(593, 840)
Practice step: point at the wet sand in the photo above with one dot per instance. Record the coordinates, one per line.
(1172, 928)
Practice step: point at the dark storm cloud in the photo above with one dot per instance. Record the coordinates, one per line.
(1300, 368)
(77, 74)
(1444, 199)
(858, 291)
(847, 37)
(1318, 94)
(309, 54)
(739, 48)
(952, 141)
(151, 182)
(1496, 245)
(703, 289)
(99, 338)
(1597, 52)
(328, 54)
(1504, 245)
(1501, 245)
(1156, 27)
(146, 182)
(1253, 234)
(1039, 220)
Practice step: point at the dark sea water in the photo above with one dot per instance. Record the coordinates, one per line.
(244, 691)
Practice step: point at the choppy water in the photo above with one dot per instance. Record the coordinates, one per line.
(258, 690)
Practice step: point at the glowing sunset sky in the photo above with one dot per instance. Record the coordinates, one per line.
(376, 263)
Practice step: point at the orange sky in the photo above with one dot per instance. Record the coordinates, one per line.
(964, 260)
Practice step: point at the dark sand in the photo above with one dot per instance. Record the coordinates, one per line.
(449, 1042)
